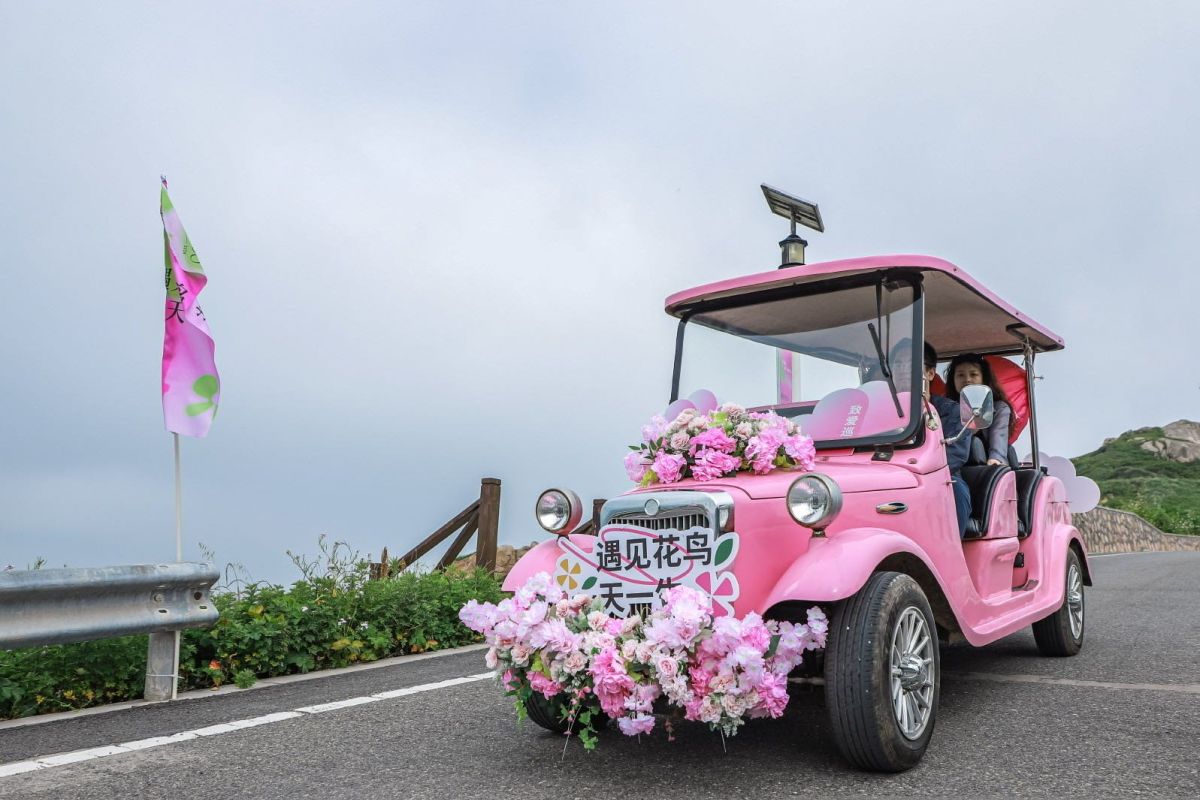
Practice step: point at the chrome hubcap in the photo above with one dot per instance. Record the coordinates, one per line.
(912, 673)
(1075, 601)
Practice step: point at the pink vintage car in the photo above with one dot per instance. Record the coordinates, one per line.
(871, 533)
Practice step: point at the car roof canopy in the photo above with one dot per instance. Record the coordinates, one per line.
(961, 315)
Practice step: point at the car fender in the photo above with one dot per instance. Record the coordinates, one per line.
(836, 567)
(542, 558)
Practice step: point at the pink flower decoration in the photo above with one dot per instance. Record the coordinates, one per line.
(544, 685)
(712, 464)
(669, 467)
(714, 438)
(772, 693)
(632, 726)
(636, 466)
(654, 430)
(800, 449)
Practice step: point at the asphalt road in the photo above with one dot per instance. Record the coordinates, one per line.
(1120, 719)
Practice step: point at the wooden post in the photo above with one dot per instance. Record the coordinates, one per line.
(489, 523)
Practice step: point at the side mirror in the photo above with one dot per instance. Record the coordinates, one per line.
(975, 407)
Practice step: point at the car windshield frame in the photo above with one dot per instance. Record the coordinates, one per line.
(916, 409)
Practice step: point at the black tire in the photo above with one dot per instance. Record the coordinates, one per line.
(1061, 633)
(858, 675)
(545, 713)
(548, 714)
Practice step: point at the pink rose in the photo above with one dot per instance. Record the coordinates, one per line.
(666, 667)
(680, 441)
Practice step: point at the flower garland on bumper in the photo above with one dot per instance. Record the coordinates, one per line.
(719, 671)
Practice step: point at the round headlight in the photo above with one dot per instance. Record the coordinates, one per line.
(814, 500)
(558, 510)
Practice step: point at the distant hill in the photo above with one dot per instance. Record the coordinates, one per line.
(1153, 472)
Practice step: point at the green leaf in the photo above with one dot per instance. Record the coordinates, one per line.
(724, 550)
(774, 646)
(590, 582)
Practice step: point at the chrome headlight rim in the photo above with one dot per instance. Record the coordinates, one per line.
(835, 500)
(569, 519)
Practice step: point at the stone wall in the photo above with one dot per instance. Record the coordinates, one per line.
(1107, 530)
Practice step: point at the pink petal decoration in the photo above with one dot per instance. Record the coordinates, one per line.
(703, 400)
(677, 408)
(833, 415)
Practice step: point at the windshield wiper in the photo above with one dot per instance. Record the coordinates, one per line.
(886, 368)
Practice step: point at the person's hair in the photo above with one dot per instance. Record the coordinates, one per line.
(989, 380)
(930, 356)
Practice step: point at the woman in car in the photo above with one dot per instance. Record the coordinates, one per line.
(971, 369)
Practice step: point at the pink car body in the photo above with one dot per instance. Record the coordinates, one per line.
(898, 510)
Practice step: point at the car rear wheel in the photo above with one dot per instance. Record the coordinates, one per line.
(1061, 633)
(882, 674)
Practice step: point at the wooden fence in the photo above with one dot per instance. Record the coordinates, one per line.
(481, 519)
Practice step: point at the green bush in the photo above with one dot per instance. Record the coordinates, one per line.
(332, 617)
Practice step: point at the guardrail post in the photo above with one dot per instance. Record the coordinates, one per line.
(160, 661)
(489, 523)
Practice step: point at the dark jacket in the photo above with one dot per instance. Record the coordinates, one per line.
(956, 453)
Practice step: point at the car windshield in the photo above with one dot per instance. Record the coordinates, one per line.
(839, 361)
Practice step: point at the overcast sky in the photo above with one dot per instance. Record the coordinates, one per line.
(438, 236)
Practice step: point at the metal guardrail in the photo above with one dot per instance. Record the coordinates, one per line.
(56, 606)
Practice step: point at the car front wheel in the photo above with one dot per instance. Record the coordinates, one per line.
(882, 674)
(1061, 633)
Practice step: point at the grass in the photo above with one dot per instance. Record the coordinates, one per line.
(1166, 493)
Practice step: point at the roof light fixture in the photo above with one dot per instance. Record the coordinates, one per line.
(795, 210)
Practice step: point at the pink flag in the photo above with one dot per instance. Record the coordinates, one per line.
(191, 387)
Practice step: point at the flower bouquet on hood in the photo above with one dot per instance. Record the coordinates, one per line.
(706, 446)
(566, 654)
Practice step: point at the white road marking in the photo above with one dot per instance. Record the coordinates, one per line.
(229, 688)
(334, 706)
(76, 756)
(1183, 688)
(17, 767)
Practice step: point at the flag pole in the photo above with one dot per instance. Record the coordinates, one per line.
(178, 555)
(178, 503)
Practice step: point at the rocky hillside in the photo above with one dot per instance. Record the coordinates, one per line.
(1153, 472)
